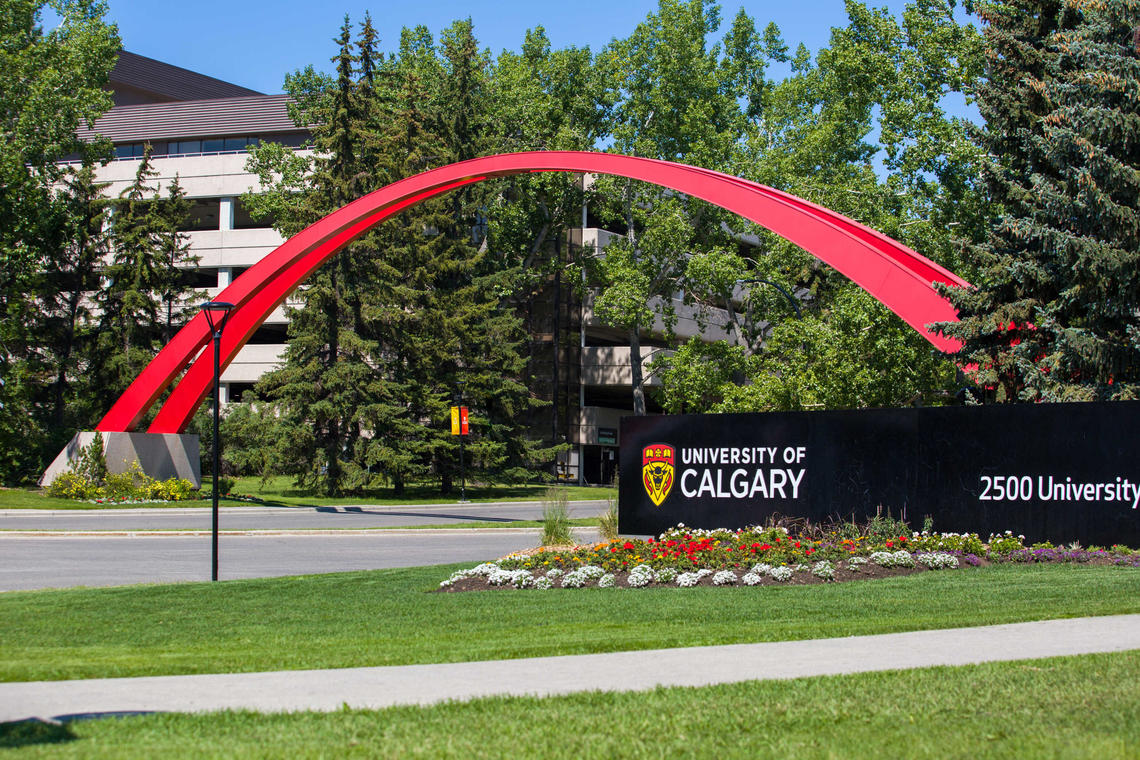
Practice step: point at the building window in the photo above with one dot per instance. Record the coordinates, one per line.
(204, 215)
(243, 220)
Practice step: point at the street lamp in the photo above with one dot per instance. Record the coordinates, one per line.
(217, 313)
(462, 470)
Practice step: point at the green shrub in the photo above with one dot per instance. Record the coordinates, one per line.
(69, 485)
(173, 489)
(88, 480)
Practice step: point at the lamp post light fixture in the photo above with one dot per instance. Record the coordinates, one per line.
(217, 313)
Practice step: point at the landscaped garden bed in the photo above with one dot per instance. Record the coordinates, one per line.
(685, 557)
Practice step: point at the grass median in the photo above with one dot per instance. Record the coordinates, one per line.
(387, 617)
(1066, 707)
(280, 492)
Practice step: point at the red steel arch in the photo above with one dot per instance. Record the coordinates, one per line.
(897, 276)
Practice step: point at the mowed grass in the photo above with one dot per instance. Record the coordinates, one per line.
(387, 617)
(1071, 707)
(280, 491)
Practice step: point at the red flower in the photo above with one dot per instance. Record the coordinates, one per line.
(890, 544)
(627, 545)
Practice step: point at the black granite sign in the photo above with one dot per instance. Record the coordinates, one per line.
(1058, 472)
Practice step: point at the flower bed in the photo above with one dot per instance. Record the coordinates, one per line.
(684, 557)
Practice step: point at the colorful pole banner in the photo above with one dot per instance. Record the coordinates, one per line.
(459, 424)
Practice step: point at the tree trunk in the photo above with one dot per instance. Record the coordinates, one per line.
(635, 372)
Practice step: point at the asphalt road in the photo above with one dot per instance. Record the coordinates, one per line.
(283, 518)
(64, 561)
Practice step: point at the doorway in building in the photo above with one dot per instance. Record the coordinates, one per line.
(600, 465)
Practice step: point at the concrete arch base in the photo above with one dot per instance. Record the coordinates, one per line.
(160, 455)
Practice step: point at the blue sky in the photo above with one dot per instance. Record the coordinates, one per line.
(254, 44)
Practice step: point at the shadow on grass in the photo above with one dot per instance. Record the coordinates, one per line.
(425, 494)
(33, 731)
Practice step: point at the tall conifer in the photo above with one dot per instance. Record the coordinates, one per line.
(1054, 313)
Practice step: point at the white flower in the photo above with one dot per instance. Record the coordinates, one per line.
(665, 575)
(901, 558)
(606, 581)
(553, 573)
(761, 568)
(574, 579)
(781, 573)
(591, 571)
(824, 569)
(938, 561)
(515, 578)
(687, 580)
(543, 583)
(642, 575)
(751, 579)
(856, 562)
(724, 578)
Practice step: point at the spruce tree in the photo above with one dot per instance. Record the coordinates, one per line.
(1053, 315)
(128, 303)
(63, 322)
(170, 217)
(326, 379)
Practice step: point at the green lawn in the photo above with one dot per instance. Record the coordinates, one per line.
(281, 492)
(387, 618)
(1068, 707)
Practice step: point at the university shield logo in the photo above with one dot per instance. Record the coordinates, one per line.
(657, 471)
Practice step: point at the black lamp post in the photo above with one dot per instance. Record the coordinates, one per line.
(462, 468)
(217, 312)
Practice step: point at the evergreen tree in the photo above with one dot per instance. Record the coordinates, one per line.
(53, 80)
(1054, 315)
(63, 321)
(170, 217)
(396, 323)
(130, 306)
(326, 380)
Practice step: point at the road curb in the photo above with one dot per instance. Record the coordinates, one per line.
(262, 509)
(298, 532)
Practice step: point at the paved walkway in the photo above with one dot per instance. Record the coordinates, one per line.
(326, 690)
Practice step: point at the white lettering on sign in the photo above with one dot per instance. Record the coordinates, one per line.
(777, 483)
(1053, 488)
(742, 472)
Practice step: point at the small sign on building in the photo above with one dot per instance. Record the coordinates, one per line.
(607, 436)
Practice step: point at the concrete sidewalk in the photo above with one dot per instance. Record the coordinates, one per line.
(326, 690)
